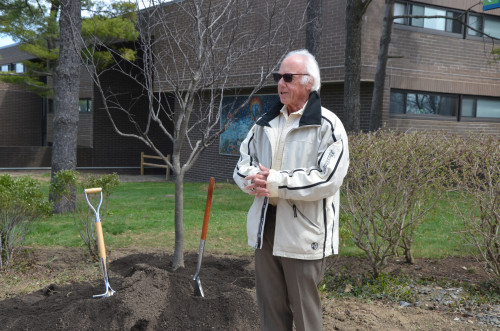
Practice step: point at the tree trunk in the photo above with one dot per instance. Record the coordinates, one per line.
(66, 93)
(352, 71)
(379, 85)
(314, 26)
(178, 261)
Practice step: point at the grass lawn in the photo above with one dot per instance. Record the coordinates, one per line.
(141, 214)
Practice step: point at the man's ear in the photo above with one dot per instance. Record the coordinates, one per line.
(310, 83)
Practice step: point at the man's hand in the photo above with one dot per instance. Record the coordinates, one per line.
(258, 181)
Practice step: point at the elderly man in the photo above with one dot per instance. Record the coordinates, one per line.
(293, 161)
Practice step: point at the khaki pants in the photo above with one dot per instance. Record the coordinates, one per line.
(287, 289)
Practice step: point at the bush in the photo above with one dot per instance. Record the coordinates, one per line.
(22, 204)
(83, 216)
(477, 170)
(394, 179)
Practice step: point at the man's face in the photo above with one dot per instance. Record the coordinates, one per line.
(294, 94)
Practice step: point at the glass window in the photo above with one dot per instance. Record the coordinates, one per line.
(417, 11)
(448, 105)
(424, 104)
(85, 105)
(19, 68)
(454, 25)
(468, 107)
(492, 26)
(475, 23)
(5, 67)
(435, 23)
(488, 108)
(400, 10)
(397, 104)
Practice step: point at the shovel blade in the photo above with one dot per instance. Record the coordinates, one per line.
(198, 290)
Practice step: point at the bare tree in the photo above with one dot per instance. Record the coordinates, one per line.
(194, 52)
(355, 9)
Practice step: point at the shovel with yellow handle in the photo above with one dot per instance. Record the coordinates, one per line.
(100, 242)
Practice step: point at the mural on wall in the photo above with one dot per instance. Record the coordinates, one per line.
(231, 139)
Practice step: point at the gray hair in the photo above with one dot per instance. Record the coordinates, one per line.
(312, 68)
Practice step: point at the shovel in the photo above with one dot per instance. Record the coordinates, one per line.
(100, 242)
(198, 290)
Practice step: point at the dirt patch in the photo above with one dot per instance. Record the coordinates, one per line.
(148, 297)
(151, 297)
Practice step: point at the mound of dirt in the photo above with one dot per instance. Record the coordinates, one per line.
(148, 297)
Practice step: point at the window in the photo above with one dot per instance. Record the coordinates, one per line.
(480, 107)
(424, 103)
(480, 24)
(85, 105)
(453, 25)
(443, 105)
(19, 68)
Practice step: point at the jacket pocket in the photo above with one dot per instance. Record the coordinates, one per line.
(300, 214)
(299, 228)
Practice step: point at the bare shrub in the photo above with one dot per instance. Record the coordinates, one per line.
(393, 181)
(478, 174)
(22, 204)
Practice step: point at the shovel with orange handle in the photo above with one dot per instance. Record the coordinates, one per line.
(198, 290)
(100, 242)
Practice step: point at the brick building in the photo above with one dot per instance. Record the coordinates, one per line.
(440, 76)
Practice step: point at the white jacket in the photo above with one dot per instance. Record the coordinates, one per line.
(315, 161)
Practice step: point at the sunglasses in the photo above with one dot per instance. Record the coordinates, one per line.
(286, 77)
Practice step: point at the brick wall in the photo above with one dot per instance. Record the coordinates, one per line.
(433, 61)
(20, 117)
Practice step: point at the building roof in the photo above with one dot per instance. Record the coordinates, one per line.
(12, 54)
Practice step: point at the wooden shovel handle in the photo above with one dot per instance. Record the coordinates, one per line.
(100, 240)
(93, 190)
(211, 185)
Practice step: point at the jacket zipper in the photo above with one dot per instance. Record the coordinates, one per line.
(262, 222)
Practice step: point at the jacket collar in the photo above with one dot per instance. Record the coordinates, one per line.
(311, 116)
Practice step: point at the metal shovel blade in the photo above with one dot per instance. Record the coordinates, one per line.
(198, 290)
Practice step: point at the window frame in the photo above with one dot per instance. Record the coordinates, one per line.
(89, 105)
(408, 22)
(458, 117)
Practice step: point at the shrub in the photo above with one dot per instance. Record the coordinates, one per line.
(478, 172)
(22, 204)
(82, 215)
(394, 179)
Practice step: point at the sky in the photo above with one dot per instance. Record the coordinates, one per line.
(5, 41)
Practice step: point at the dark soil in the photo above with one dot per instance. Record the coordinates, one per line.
(149, 296)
